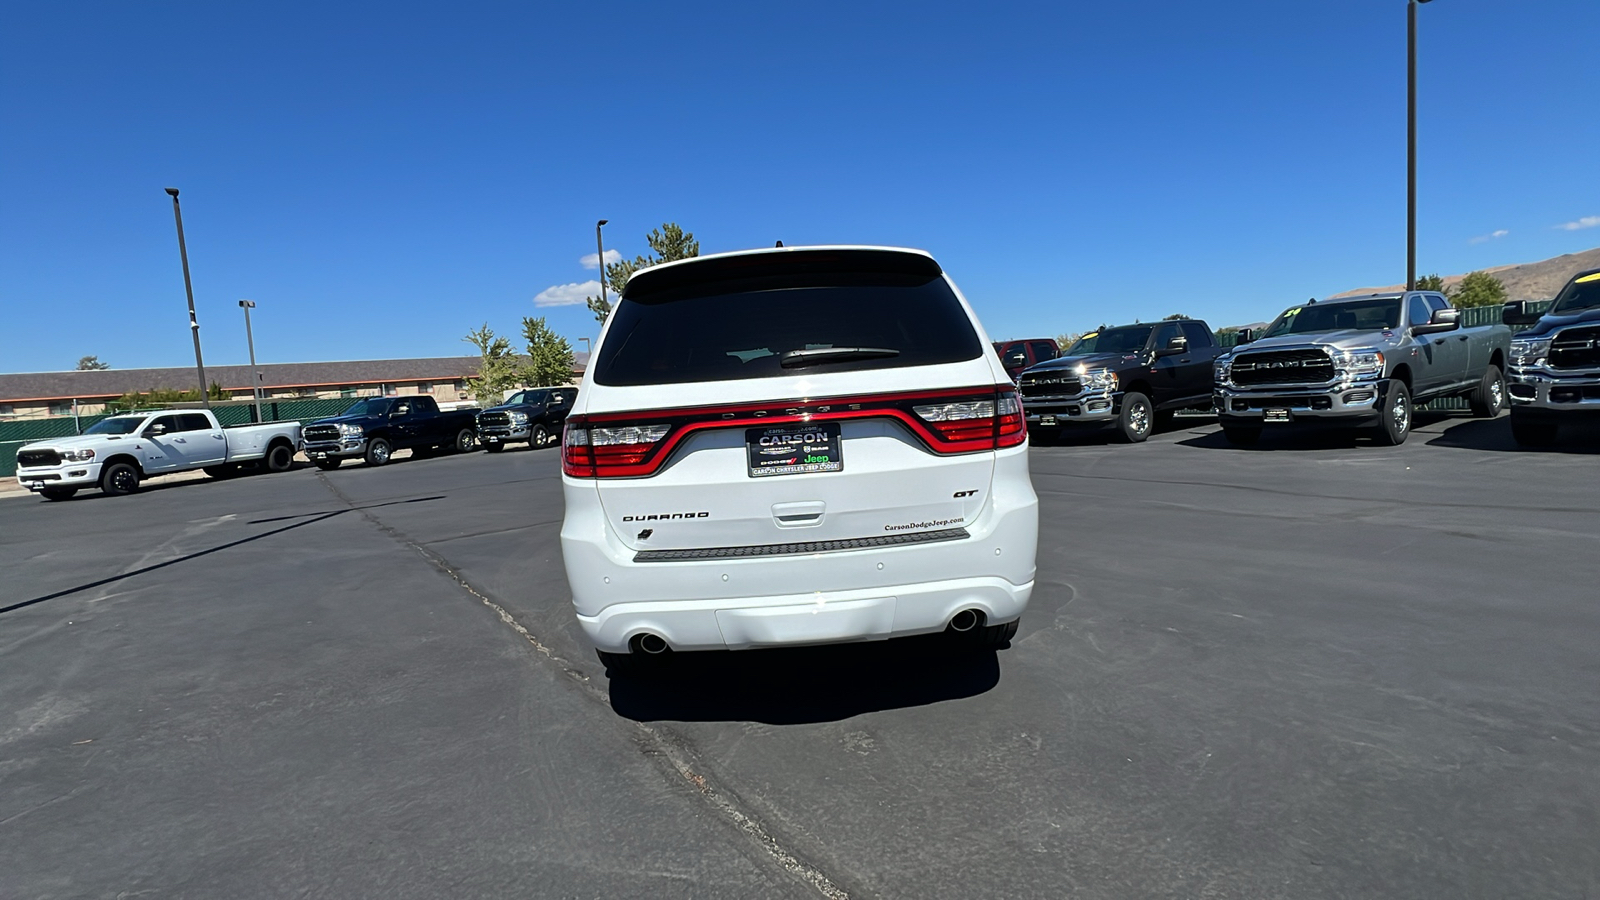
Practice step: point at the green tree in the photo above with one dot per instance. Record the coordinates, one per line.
(91, 364)
(549, 355)
(159, 397)
(669, 243)
(497, 368)
(1175, 317)
(1478, 289)
(1430, 283)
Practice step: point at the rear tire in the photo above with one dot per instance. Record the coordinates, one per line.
(1135, 420)
(495, 447)
(378, 452)
(280, 458)
(327, 465)
(539, 437)
(1242, 435)
(119, 479)
(466, 439)
(58, 493)
(996, 637)
(1395, 422)
(1533, 433)
(1490, 396)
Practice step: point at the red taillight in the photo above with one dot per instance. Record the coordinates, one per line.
(597, 452)
(637, 444)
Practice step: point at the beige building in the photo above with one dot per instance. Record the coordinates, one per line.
(44, 394)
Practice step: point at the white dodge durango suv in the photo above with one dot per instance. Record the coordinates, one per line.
(801, 445)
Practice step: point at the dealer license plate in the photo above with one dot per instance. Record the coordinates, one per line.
(1047, 420)
(794, 449)
(1276, 414)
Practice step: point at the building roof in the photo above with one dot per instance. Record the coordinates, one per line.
(116, 382)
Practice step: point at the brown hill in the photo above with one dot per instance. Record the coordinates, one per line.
(1527, 281)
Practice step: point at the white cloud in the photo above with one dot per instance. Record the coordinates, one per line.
(1585, 222)
(592, 260)
(567, 294)
(1493, 236)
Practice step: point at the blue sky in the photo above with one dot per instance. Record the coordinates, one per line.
(382, 178)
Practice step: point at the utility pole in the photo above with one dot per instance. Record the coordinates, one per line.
(255, 374)
(188, 287)
(1411, 143)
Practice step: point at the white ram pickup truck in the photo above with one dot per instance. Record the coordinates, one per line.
(118, 452)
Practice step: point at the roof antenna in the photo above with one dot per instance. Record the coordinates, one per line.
(778, 244)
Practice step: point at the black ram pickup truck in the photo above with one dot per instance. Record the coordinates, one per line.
(373, 429)
(1554, 375)
(535, 416)
(1133, 377)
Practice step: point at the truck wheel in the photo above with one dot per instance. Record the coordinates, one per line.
(119, 478)
(1241, 435)
(493, 446)
(1136, 418)
(58, 493)
(539, 437)
(378, 451)
(464, 440)
(280, 458)
(1533, 433)
(1394, 425)
(1490, 396)
(328, 465)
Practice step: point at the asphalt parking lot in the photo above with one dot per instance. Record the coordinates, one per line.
(1317, 668)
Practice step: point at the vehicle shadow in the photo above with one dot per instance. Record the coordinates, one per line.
(1289, 439)
(1494, 435)
(800, 685)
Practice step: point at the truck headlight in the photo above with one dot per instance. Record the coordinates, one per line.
(1222, 368)
(350, 431)
(1529, 351)
(519, 418)
(1356, 363)
(77, 455)
(1097, 379)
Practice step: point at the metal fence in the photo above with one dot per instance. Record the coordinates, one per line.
(15, 434)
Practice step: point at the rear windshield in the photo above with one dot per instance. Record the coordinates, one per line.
(741, 327)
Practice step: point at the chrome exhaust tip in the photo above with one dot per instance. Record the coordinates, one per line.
(651, 644)
(966, 620)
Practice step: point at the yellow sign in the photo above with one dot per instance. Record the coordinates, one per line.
(1587, 278)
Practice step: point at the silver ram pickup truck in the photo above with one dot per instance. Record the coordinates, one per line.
(1361, 362)
(1555, 365)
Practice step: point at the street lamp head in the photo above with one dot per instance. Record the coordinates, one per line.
(173, 192)
(601, 222)
(248, 304)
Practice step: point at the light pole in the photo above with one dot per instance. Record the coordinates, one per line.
(255, 375)
(1411, 143)
(600, 248)
(188, 287)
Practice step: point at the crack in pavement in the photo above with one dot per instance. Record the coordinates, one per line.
(658, 742)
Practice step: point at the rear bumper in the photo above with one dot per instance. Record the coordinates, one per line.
(74, 475)
(812, 598)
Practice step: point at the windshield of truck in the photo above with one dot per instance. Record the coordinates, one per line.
(115, 425)
(789, 314)
(1127, 339)
(1582, 293)
(528, 398)
(1360, 315)
(377, 406)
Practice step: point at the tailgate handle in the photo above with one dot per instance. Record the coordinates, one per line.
(796, 515)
